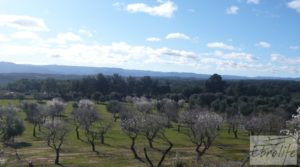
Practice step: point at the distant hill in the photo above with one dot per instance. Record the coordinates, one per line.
(6, 78)
(7, 67)
(59, 71)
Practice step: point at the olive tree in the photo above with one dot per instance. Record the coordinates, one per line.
(152, 126)
(94, 125)
(104, 126)
(115, 107)
(164, 153)
(86, 115)
(186, 118)
(11, 125)
(143, 106)
(34, 114)
(168, 108)
(275, 122)
(202, 130)
(55, 108)
(97, 130)
(56, 133)
(235, 122)
(265, 123)
(92, 135)
(131, 126)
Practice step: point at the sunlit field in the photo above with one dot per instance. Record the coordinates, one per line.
(116, 150)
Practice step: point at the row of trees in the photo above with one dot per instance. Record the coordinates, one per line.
(139, 117)
(151, 118)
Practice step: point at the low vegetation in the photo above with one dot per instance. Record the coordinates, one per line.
(153, 129)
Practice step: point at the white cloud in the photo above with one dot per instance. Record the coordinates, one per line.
(294, 47)
(248, 57)
(25, 35)
(177, 35)
(114, 54)
(3, 38)
(20, 22)
(288, 61)
(62, 38)
(220, 45)
(232, 10)
(294, 4)
(256, 2)
(124, 55)
(285, 64)
(275, 57)
(153, 39)
(85, 32)
(165, 8)
(263, 44)
(119, 4)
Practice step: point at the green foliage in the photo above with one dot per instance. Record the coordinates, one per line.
(11, 125)
(215, 84)
(250, 96)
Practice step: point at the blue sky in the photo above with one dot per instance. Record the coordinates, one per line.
(237, 37)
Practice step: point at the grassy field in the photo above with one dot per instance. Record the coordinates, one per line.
(116, 152)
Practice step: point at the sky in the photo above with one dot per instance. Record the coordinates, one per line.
(233, 37)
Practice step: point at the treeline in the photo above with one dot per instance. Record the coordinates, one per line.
(98, 87)
(216, 94)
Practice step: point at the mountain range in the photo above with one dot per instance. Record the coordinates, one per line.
(8, 68)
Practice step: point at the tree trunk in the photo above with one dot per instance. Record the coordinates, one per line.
(115, 117)
(48, 142)
(77, 132)
(136, 156)
(57, 156)
(93, 146)
(34, 130)
(178, 127)
(235, 134)
(147, 158)
(164, 154)
(200, 153)
(150, 141)
(102, 138)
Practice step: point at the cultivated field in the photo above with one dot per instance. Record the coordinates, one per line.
(116, 150)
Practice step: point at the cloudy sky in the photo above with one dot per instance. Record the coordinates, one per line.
(237, 37)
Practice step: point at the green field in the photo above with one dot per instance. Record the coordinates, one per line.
(116, 151)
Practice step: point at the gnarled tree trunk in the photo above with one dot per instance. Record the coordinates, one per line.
(132, 147)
